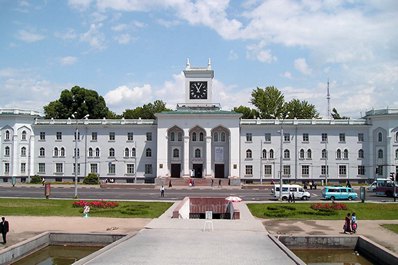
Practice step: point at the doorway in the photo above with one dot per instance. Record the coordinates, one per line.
(219, 171)
(198, 169)
(175, 170)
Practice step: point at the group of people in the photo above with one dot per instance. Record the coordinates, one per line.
(350, 224)
(4, 228)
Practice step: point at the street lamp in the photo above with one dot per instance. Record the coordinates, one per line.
(281, 157)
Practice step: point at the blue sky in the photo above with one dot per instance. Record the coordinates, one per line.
(133, 52)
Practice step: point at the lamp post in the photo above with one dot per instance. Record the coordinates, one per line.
(281, 157)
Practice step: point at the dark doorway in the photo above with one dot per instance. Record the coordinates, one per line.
(175, 170)
(198, 168)
(219, 170)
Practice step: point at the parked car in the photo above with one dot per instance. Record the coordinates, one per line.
(299, 192)
(338, 193)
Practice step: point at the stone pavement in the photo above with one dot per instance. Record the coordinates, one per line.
(180, 241)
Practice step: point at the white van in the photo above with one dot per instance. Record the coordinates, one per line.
(298, 191)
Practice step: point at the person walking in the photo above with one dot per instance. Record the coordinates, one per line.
(162, 191)
(347, 224)
(4, 228)
(354, 222)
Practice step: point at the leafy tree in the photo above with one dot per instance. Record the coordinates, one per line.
(247, 112)
(80, 102)
(336, 115)
(91, 179)
(147, 111)
(300, 110)
(269, 102)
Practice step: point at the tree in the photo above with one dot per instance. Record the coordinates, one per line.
(147, 111)
(336, 115)
(79, 102)
(269, 102)
(247, 113)
(300, 110)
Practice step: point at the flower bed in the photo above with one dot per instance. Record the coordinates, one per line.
(95, 204)
(329, 206)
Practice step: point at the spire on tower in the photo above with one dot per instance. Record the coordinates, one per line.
(188, 65)
(328, 99)
(209, 64)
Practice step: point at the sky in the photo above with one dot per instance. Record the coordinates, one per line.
(133, 52)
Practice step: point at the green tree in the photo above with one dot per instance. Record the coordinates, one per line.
(336, 115)
(80, 102)
(247, 113)
(147, 111)
(269, 102)
(300, 110)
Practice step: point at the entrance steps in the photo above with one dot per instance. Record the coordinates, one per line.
(199, 182)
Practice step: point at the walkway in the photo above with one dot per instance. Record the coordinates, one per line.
(180, 241)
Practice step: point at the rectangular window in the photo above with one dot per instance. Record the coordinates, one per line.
(306, 137)
(249, 137)
(149, 136)
(130, 169)
(6, 168)
(59, 168)
(324, 137)
(268, 137)
(111, 168)
(267, 170)
(286, 137)
(323, 170)
(130, 136)
(286, 170)
(342, 170)
(249, 170)
(305, 170)
(42, 136)
(94, 136)
(360, 137)
(111, 136)
(93, 168)
(148, 168)
(379, 170)
(23, 168)
(42, 168)
(361, 170)
(78, 168)
(342, 137)
(59, 136)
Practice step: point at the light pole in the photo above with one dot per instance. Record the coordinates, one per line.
(281, 157)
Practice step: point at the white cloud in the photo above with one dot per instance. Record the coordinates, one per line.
(257, 52)
(287, 74)
(125, 97)
(69, 34)
(79, 4)
(94, 37)
(301, 65)
(68, 60)
(29, 36)
(124, 38)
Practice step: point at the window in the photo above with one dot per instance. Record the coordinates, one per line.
(215, 137)
(267, 170)
(271, 154)
(42, 152)
(23, 168)
(194, 136)
(55, 151)
(342, 137)
(345, 154)
(222, 136)
(149, 136)
(62, 152)
(126, 152)
(305, 170)
(324, 137)
(302, 154)
(111, 168)
(148, 152)
(130, 169)
(338, 154)
(360, 137)
(42, 136)
(323, 169)
(396, 154)
(286, 170)
(42, 168)
(248, 153)
(179, 136)
(59, 168)
(249, 170)
(7, 151)
(23, 137)
(396, 137)
(111, 136)
(360, 153)
(197, 153)
(97, 152)
(94, 136)
(133, 152)
(286, 154)
(267, 137)
(93, 168)
(380, 153)
(380, 137)
(324, 154)
(148, 168)
(23, 151)
(111, 152)
(76, 152)
(249, 137)
(201, 137)
(172, 136)
(59, 136)
(78, 168)
(7, 135)
(286, 137)
(264, 153)
(176, 153)
(305, 137)
(130, 136)
(361, 170)
(379, 170)
(342, 170)
(6, 168)
(309, 154)
(77, 136)
(90, 152)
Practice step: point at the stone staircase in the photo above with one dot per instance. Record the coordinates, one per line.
(196, 182)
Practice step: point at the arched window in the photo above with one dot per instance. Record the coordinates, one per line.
(90, 152)
(248, 153)
(338, 154)
(148, 152)
(23, 151)
(176, 153)
(380, 153)
(360, 153)
(194, 136)
(7, 151)
(222, 136)
(197, 153)
(324, 154)
(42, 152)
(345, 154)
(309, 154)
(62, 152)
(7, 135)
(78, 152)
(302, 154)
(271, 154)
(133, 152)
(55, 151)
(264, 153)
(396, 154)
(111, 152)
(201, 137)
(172, 136)
(286, 154)
(380, 137)
(97, 152)
(23, 135)
(215, 137)
(179, 136)
(126, 152)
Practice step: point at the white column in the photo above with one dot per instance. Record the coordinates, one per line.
(186, 153)
(208, 156)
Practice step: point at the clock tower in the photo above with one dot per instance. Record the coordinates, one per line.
(198, 84)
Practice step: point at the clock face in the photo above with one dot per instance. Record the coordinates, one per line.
(198, 90)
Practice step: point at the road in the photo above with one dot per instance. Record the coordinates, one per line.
(87, 192)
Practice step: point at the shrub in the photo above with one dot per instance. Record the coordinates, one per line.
(329, 206)
(95, 204)
(91, 179)
(35, 179)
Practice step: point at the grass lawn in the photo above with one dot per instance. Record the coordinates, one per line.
(43, 207)
(363, 211)
(392, 227)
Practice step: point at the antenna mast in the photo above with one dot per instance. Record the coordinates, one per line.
(328, 99)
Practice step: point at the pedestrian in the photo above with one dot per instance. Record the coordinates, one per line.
(354, 222)
(293, 199)
(219, 182)
(86, 210)
(43, 181)
(212, 182)
(4, 228)
(170, 184)
(348, 184)
(162, 191)
(347, 224)
(290, 197)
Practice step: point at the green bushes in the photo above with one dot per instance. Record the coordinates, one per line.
(91, 179)
(35, 179)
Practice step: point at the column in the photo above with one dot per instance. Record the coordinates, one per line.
(208, 156)
(186, 153)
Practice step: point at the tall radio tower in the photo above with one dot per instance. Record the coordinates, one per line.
(328, 99)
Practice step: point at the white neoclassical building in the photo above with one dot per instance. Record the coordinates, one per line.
(200, 140)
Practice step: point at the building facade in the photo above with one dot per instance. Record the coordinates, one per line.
(199, 140)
